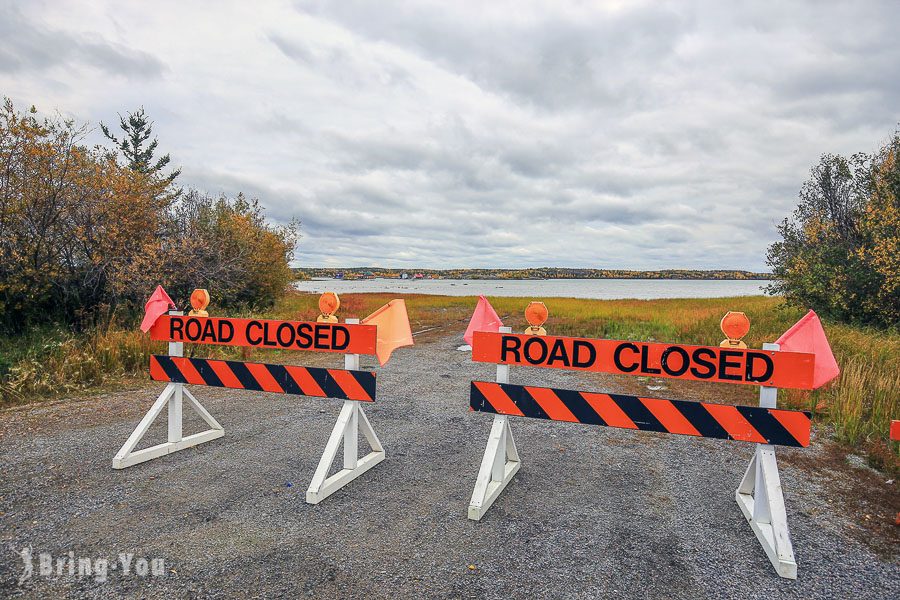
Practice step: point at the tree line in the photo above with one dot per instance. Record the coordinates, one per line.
(532, 273)
(86, 233)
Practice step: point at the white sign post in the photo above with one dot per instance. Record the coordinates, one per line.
(350, 422)
(760, 498)
(501, 458)
(172, 396)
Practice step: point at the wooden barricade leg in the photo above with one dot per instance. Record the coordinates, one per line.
(173, 397)
(350, 422)
(760, 498)
(501, 458)
(500, 463)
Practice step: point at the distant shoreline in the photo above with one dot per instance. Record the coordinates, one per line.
(542, 273)
(326, 278)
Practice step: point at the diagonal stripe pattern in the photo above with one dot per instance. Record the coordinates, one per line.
(700, 419)
(259, 377)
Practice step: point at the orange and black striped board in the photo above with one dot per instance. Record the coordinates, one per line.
(267, 333)
(283, 379)
(648, 359)
(701, 419)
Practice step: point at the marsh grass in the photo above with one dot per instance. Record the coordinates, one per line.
(52, 362)
(856, 408)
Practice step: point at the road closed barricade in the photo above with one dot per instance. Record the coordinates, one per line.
(350, 384)
(758, 495)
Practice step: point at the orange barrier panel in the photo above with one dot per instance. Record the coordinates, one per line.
(267, 333)
(702, 419)
(677, 361)
(281, 379)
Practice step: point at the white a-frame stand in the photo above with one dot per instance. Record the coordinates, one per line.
(500, 461)
(350, 422)
(172, 396)
(760, 498)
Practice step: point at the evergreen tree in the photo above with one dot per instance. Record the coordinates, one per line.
(135, 148)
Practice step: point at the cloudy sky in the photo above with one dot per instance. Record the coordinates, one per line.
(640, 135)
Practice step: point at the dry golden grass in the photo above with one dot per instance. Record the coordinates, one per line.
(856, 409)
(52, 363)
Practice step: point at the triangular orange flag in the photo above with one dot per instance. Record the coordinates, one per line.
(807, 335)
(393, 329)
(484, 318)
(158, 304)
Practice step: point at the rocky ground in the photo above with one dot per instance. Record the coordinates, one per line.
(593, 512)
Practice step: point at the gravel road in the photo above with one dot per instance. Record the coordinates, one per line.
(592, 513)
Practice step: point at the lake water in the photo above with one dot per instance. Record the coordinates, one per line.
(602, 289)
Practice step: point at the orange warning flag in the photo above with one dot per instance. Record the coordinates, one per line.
(808, 336)
(484, 318)
(393, 329)
(158, 304)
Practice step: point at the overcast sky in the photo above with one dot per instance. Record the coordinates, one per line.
(598, 134)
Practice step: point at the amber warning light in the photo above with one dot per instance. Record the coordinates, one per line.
(199, 302)
(536, 314)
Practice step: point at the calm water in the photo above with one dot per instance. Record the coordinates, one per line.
(604, 289)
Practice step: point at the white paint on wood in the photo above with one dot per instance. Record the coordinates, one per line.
(127, 456)
(175, 402)
(175, 413)
(498, 465)
(350, 422)
(500, 461)
(172, 398)
(761, 499)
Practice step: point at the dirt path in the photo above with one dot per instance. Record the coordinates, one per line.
(593, 512)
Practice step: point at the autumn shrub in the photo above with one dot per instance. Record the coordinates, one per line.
(84, 238)
(840, 251)
(227, 246)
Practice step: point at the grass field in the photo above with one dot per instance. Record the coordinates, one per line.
(856, 409)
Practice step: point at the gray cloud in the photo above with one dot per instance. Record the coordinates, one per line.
(28, 46)
(632, 135)
(553, 62)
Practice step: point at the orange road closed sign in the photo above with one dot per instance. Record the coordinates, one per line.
(698, 363)
(267, 333)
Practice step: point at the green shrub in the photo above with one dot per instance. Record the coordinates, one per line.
(840, 252)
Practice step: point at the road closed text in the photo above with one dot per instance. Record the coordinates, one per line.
(267, 333)
(700, 363)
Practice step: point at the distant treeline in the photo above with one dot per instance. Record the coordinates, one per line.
(535, 273)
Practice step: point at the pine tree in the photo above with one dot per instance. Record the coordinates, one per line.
(135, 148)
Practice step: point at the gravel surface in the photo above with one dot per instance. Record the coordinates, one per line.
(593, 512)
